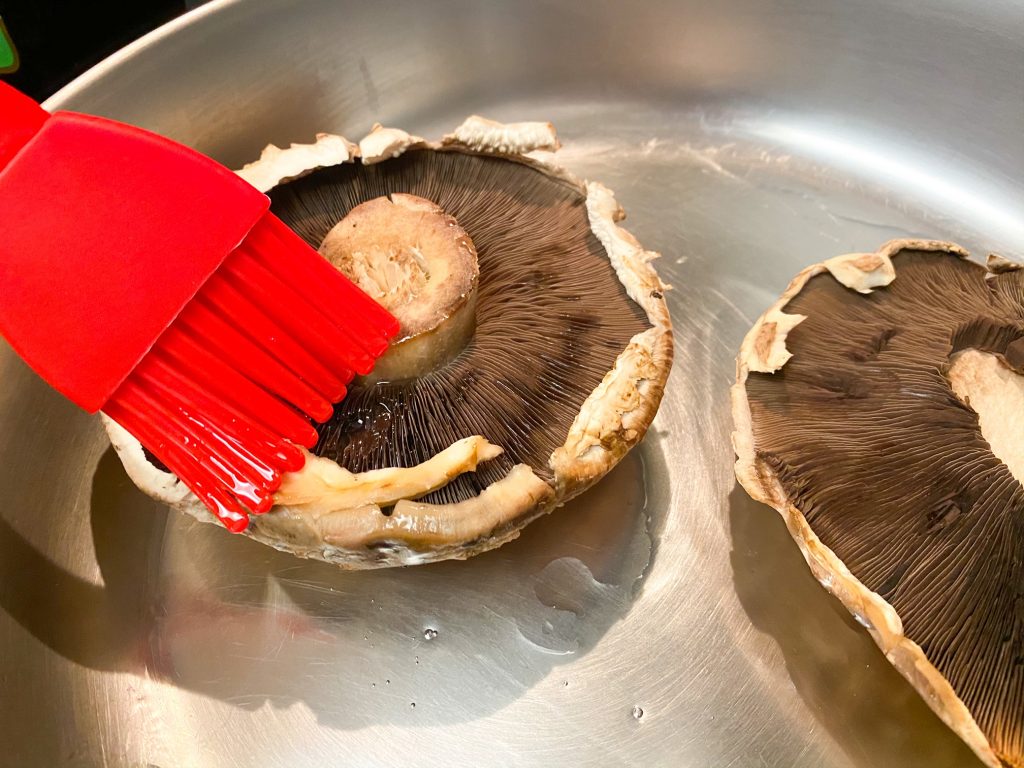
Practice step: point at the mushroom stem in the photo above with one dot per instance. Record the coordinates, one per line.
(415, 260)
(996, 393)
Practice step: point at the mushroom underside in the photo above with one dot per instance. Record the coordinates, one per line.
(551, 316)
(461, 443)
(901, 505)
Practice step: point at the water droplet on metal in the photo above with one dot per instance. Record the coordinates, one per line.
(429, 633)
(638, 712)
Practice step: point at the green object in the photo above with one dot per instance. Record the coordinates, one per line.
(8, 53)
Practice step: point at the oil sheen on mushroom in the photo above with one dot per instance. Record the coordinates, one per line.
(891, 469)
(551, 316)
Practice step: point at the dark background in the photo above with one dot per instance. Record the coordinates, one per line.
(57, 40)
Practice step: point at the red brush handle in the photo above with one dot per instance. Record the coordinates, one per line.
(21, 120)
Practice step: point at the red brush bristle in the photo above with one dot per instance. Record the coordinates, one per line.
(274, 450)
(231, 300)
(291, 312)
(227, 392)
(238, 470)
(249, 358)
(138, 419)
(189, 355)
(324, 287)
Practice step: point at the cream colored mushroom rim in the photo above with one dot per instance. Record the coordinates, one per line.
(764, 350)
(612, 420)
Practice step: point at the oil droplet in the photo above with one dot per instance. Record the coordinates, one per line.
(565, 683)
(429, 633)
(387, 682)
(638, 712)
(412, 704)
(373, 685)
(417, 659)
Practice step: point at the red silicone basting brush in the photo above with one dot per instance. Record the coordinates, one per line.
(143, 279)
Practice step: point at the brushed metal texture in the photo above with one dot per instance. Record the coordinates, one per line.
(663, 619)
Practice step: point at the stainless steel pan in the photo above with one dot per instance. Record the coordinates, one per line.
(663, 619)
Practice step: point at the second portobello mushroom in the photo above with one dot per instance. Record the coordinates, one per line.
(879, 406)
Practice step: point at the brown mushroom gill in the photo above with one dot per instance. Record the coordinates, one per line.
(892, 472)
(551, 316)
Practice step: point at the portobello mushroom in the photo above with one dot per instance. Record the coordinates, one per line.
(879, 407)
(534, 349)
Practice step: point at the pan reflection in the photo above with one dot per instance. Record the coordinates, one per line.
(223, 616)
